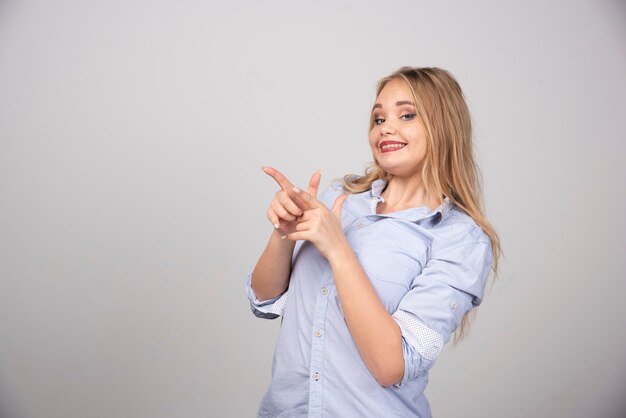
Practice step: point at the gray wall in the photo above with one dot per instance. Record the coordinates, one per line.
(132, 203)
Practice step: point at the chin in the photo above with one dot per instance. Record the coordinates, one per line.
(399, 172)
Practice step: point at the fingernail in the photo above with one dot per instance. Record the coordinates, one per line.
(295, 189)
(276, 226)
(283, 236)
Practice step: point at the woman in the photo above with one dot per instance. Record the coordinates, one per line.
(373, 278)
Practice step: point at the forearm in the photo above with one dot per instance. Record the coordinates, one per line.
(270, 276)
(375, 332)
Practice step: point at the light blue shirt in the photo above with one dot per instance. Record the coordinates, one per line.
(429, 267)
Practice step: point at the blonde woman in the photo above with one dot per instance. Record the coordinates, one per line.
(374, 276)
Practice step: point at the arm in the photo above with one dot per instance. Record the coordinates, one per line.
(451, 283)
(400, 347)
(375, 332)
(270, 276)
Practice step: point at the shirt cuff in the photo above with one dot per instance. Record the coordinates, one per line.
(269, 308)
(420, 345)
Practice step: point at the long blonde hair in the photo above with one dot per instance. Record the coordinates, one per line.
(449, 168)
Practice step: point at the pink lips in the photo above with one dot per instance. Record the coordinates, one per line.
(390, 146)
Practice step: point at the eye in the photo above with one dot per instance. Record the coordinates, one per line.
(408, 116)
(378, 121)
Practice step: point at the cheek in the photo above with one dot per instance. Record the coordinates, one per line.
(373, 138)
(415, 135)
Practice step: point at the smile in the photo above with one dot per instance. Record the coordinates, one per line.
(391, 146)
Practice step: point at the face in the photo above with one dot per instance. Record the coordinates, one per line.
(398, 138)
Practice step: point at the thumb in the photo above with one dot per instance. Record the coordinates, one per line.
(314, 183)
(338, 205)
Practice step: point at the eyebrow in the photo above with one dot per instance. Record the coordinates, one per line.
(400, 103)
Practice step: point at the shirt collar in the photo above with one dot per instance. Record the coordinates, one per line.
(412, 214)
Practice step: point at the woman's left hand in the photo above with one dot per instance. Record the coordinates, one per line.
(318, 224)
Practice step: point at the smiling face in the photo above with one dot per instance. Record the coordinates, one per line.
(397, 137)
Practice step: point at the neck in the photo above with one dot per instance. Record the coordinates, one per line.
(406, 193)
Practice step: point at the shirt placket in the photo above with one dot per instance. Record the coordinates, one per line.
(316, 372)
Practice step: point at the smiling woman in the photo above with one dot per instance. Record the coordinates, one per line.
(373, 277)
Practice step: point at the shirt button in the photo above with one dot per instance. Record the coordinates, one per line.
(453, 305)
(324, 291)
(318, 333)
(316, 376)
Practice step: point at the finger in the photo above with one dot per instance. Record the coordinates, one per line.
(338, 205)
(281, 211)
(297, 236)
(273, 218)
(314, 183)
(286, 185)
(278, 177)
(303, 226)
(305, 200)
(306, 216)
(284, 199)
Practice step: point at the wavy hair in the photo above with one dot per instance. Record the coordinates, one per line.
(449, 168)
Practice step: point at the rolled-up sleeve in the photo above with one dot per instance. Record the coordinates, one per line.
(452, 283)
(267, 309)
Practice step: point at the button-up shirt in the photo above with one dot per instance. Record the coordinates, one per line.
(429, 267)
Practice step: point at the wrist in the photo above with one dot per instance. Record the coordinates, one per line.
(341, 255)
(276, 239)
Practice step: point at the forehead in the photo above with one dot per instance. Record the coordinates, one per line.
(395, 90)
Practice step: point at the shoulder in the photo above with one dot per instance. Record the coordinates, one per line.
(463, 250)
(458, 229)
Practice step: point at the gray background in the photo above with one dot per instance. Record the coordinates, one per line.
(132, 203)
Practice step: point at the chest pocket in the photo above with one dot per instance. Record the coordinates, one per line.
(393, 254)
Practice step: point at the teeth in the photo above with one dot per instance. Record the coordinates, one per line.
(392, 146)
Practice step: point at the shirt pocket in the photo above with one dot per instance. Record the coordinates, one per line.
(392, 257)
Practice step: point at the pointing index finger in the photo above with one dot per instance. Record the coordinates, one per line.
(301, 198)
(279, 178)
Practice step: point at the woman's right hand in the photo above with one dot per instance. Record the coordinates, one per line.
(283, 212)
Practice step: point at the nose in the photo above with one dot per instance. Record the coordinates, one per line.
(387, 129)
